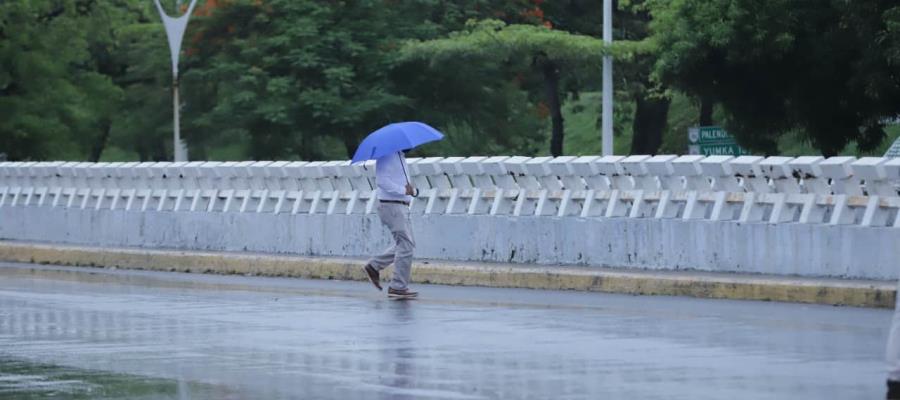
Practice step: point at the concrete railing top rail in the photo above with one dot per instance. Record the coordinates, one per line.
(808, 189)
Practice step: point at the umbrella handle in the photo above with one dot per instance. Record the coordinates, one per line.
(403, 167)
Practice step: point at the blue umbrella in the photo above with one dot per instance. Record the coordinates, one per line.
(393, 138)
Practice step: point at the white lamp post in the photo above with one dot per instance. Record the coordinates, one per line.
(175, 28)
(607, 126)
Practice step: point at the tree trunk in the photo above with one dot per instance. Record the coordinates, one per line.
(142, 154)
(350, 144)
(551, 81)
(100, 144)
(160, 153)
(706, 111)
(650, 118)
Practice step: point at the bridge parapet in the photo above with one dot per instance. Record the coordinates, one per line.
(746, 189)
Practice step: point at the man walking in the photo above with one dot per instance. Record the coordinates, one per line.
(394, 195)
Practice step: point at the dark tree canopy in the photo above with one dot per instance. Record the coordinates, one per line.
(827, 69)
(306, 79)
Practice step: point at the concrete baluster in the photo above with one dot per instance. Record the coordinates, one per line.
(361, 190)
(814, 188)
(781, 178)
(892, 173)
(318, 187)
(296, 187)
(538, 198)
(877, 187)
(598, 191)
(208, 179)
(618, 204)
(509, 190)
(190, 186)
(68, 174)
(728, 195)
(6, 170)
(527, 186)
(571, 184)
(258, 197)
(846, 189)
(20, 186)
(483, 170)
(669, 183)
(474, 168)
(695, 199)
(340, 185)
(274, 183)
(30, 182)
(159, 183)
(438, 184)
(644, 196)
(755, 184)
(461, 188)
(47, 183)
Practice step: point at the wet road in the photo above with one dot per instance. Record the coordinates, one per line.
(86, 333)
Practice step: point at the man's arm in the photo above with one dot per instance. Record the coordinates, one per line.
(393, 184)
(393, 188)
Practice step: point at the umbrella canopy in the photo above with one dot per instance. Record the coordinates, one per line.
(393, 138)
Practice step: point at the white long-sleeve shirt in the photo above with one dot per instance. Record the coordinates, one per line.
(391, 177)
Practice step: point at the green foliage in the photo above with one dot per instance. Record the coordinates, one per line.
(479, 108)
(299, 78)
(493, 39)
(582, 115)
(253, 79)
(52, 97)
(825, 69)
(143, 124)
(291, 74)
(292, 79)
(558, 57)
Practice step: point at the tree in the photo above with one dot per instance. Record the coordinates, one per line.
(498, 107)
(550, 52)
(293, 75)
(53, 97)
(826, 69)
(299, 78)
(143, 123)
(632, 76)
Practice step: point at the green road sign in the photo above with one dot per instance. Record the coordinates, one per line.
(713, 141)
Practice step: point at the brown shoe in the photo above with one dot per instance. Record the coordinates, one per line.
(373, 276)
(401, 294)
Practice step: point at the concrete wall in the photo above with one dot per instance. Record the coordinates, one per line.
(846, 251)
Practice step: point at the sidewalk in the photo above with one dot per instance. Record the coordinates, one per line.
(669, 283)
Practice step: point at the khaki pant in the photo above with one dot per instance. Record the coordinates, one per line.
(396, 218)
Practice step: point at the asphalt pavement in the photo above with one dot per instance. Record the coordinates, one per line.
(115, 334)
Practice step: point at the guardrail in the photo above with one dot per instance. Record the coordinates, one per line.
(805, 190)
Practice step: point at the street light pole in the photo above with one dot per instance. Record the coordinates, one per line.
(607, 116)
(180, 152)
(175, 28)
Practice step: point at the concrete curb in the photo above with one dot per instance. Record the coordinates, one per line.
(669, 283)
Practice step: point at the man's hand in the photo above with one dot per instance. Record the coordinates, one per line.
(410, 190)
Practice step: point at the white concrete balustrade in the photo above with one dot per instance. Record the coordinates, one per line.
(807, 216)
(746, 189)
